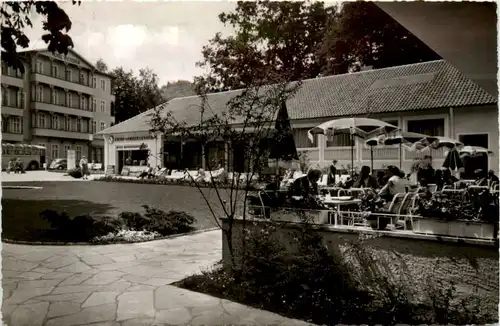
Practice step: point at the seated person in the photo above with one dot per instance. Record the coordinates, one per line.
(396, 184)
(423, 190)
(448, 178)
(481, 178)
(307, 185)
(381, 180)
(492, 178)
(147, 173)
(365, 180)
(438, 179)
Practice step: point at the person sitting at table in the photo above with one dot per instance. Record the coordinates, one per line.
(396, 184)
(438, 179)
(423, 190)
(425, 169)
(381, 180)
(332, 174)
(365, 179)
(481, 178)
(306, 185)
(448, 178)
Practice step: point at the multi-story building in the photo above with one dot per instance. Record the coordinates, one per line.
(60, 102)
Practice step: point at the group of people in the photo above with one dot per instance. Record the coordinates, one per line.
(390, 181)
(16, 165)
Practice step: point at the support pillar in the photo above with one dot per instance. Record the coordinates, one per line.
(226, 155)
(321, 150)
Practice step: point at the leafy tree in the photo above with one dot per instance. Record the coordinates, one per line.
(180, 88)
(16, 16)
(134, 94)
(101, 65)
(365, 35)
(271, 37)
(304, 40)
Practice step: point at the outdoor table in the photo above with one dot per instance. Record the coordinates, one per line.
(337, 205)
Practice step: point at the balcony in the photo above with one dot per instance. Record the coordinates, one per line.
(63, 83)
(41, 132)
(12, 81)
(35, 105)
(12, 110)
(7, 136)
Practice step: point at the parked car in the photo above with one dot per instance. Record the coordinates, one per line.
(59, 164)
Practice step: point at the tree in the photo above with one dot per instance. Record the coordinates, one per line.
(16, 16)
(365, 35)
(305, 40)
(180, 88)
(101, 65)
(271, 37)
(134, 94)
(245, 124)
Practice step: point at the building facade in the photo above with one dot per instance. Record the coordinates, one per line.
(432, 98)
(60, 102)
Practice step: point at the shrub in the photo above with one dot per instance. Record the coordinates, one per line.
(75, 173)
(135, 221)
(167, 223)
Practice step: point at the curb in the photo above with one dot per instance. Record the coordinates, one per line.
(21, 187)
(53, 243)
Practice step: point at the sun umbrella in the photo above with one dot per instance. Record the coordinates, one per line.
(453, 160)
(445, 142)
(360, 127)
(407, 138)
(283, 150)
(474, 151)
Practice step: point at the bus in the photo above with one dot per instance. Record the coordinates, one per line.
(32, 156)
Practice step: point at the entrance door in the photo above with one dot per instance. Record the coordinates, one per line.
(473, 163)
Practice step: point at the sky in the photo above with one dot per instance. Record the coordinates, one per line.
(165, 36)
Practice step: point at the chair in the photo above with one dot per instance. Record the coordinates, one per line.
(355, 192)
(396, 205)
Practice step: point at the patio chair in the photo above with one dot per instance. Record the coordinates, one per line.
(395, 207)
(355, 192)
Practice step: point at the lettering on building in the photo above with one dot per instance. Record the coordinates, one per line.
(65, 58)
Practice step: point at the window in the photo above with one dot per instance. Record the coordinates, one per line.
(82, 102)
(103, 106)
(94, 126)
(39, 93)
(41, 120)
(78, 152)
(79, 125)
(74, 124)
(94, 82)
(302, 140)
(55, 71)
(54, 151)
(15, 125)
(70, 100)
(19, 74)
(55, 122)
(429, 127)
(393, 122)
(67, 126)
(66, 149)
(94, 105)
(55, 97)
(103, 84)
(23, 100)
(340, 140)
(99, 155)
(5, 97)
(82, 78)
(39, 67)
(68, 74)
(103, 126)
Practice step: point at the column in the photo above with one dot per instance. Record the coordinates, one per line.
(226, 155)
(321, 149)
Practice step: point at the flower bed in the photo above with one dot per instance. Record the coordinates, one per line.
(127, 227)
(454, 228)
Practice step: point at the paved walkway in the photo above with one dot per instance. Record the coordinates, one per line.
(125, 284)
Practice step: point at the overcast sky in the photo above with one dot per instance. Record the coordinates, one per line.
(167, 37)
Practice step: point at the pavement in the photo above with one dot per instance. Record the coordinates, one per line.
(39, 176)
(122, 284)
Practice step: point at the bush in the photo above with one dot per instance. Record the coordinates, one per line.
(311, 284)
(75, 173)
(167, 223)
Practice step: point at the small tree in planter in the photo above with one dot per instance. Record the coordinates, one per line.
(245, 123)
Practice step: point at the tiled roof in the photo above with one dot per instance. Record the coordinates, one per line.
(420, 86)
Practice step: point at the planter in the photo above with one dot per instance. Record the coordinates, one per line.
(301, 216)
(462, 229)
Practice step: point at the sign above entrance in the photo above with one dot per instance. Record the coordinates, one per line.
(66, 58)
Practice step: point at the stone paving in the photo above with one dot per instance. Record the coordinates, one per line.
(124, 284)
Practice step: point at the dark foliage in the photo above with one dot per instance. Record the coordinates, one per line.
(16, 17)
(75, 173)
(313, 285)
(167, 223)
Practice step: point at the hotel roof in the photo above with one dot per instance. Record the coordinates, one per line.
(421, 86)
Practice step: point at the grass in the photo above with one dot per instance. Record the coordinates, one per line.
(21, 207)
